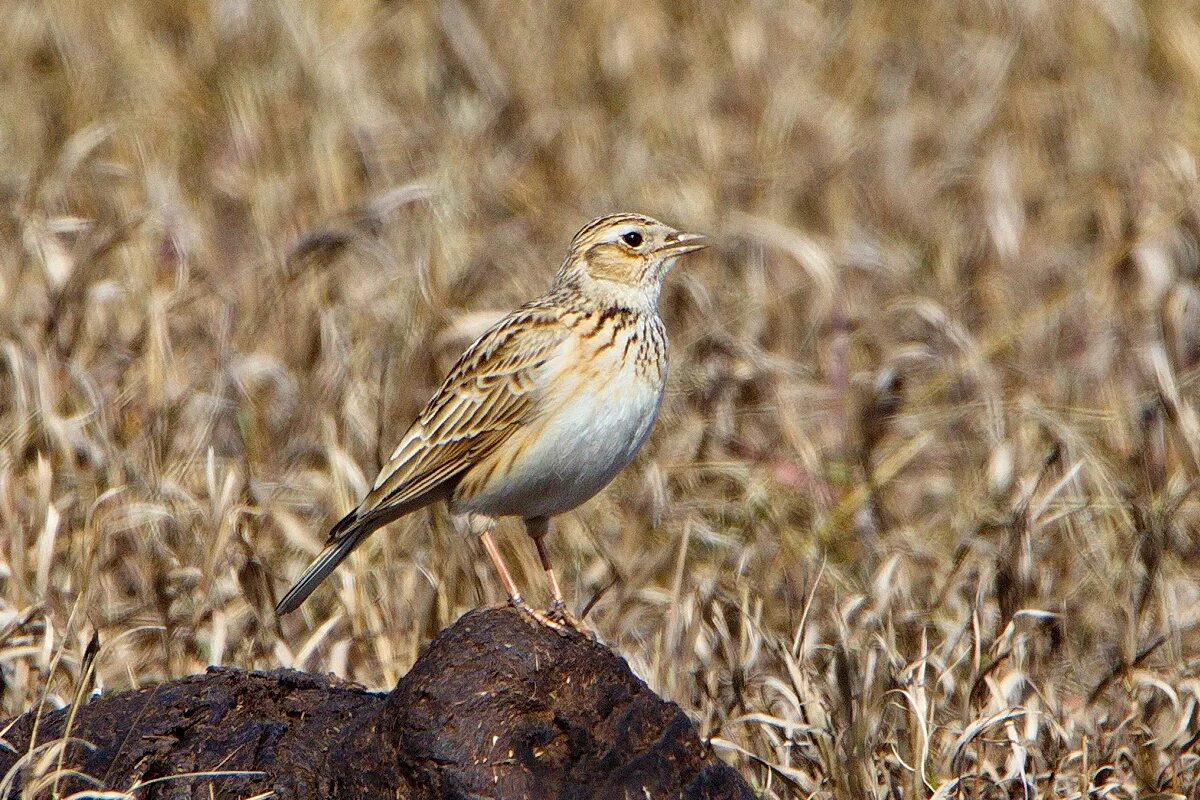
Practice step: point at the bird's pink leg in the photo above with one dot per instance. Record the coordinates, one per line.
(537, 528)
(484, 527)
(510, 586)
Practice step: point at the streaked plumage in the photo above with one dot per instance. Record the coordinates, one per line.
(544, 409)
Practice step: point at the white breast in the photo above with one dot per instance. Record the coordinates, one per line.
(595, 423)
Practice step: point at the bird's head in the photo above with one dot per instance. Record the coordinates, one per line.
(623, 258)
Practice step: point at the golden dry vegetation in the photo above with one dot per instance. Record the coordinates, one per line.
(919, 517)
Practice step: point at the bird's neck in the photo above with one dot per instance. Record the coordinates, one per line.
(596, 296)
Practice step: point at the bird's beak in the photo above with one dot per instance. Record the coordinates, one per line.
(678, 243)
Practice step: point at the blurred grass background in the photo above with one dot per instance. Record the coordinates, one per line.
(919, 517)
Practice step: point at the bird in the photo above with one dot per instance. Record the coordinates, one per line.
(541, 412)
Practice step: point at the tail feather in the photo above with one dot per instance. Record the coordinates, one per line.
(344, 537)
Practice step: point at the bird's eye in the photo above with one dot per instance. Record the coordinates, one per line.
(633, 238)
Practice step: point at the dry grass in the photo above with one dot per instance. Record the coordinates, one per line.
(919, 517)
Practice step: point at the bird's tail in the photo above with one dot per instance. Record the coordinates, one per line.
(344, 537)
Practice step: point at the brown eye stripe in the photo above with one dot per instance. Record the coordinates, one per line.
(608, 223)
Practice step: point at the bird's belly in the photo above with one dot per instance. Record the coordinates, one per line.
(568, 455)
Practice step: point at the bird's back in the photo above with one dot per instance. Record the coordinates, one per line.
(601, 396)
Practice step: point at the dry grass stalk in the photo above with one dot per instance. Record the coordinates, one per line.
(920, 517)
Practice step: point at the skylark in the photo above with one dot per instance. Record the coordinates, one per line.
(542, 411)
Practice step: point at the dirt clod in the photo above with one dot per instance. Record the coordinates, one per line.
(495, 707)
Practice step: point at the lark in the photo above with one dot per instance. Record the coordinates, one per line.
(542, 411)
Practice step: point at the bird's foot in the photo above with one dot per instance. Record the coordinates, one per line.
(559, 613)
(531, 613)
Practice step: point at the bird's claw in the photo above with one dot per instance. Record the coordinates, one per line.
(559, 613)
(531, 613)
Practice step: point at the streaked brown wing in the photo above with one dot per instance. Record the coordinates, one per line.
(490, 392)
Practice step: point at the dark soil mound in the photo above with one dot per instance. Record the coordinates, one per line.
(496, 707)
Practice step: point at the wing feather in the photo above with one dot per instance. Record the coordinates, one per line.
(490, 392)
